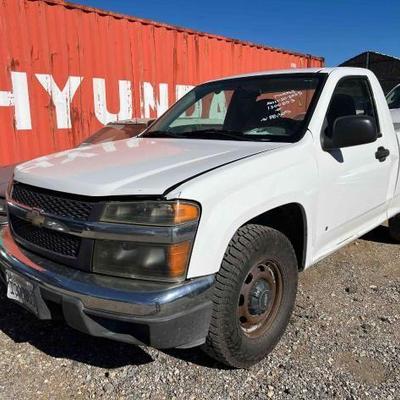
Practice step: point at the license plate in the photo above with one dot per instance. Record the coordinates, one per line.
(21, 291)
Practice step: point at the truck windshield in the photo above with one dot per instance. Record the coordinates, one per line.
(265, 108)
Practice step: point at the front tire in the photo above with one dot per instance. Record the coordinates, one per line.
(254, 296)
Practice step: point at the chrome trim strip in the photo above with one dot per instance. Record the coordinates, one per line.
(105, 230)
(97, 292)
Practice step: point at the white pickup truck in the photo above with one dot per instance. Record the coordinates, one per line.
(194, 233)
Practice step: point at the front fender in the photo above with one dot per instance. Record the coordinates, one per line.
(233, 195)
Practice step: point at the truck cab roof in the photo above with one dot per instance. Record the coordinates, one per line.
(347, 70)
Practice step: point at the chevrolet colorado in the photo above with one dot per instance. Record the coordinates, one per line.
(194, 232)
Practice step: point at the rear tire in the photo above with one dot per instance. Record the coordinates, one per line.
(394, 228)
(253, 298)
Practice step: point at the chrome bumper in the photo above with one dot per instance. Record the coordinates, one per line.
(141, 302)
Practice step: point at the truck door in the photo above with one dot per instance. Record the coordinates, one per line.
(354, 180)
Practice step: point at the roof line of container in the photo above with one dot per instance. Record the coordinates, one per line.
(99, 11)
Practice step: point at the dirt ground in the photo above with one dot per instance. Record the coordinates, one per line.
(343, 342)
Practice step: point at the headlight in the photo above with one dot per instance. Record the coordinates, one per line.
(141, 260)
(156, 260)
(162, 213)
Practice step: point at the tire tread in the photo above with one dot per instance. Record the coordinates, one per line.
(247, 240)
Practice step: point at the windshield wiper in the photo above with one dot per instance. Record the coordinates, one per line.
(158, 134)
(210, 133)
(206, 133)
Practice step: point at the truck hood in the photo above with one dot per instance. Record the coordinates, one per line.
(137, 166)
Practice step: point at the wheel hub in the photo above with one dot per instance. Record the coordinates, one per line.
(259, 297)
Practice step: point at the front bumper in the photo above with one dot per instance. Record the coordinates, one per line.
(160, 315)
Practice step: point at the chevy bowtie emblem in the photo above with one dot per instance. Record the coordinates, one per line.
(35, 217)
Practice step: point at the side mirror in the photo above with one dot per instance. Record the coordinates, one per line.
(352, 130)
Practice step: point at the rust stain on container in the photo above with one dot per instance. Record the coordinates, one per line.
(65, 70)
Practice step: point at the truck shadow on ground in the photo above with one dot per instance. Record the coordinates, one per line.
(58, 340)
(379, 235)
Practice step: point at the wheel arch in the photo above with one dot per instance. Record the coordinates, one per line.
(291, 220)
(217, 229)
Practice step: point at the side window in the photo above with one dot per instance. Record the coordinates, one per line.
(352, 96)
(393, 98)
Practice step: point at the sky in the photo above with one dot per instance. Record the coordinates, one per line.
(336, 30)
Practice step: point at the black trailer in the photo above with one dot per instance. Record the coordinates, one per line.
(386, 68)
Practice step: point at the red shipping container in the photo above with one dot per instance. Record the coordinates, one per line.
(65, 70)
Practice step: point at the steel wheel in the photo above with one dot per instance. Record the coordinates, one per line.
(260, 298)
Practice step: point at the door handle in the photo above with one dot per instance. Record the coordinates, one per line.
(381, 154)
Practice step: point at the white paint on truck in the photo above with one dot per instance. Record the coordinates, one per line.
(133, 166)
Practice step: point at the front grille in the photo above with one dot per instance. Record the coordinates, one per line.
(51, 202)
(56, 242)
